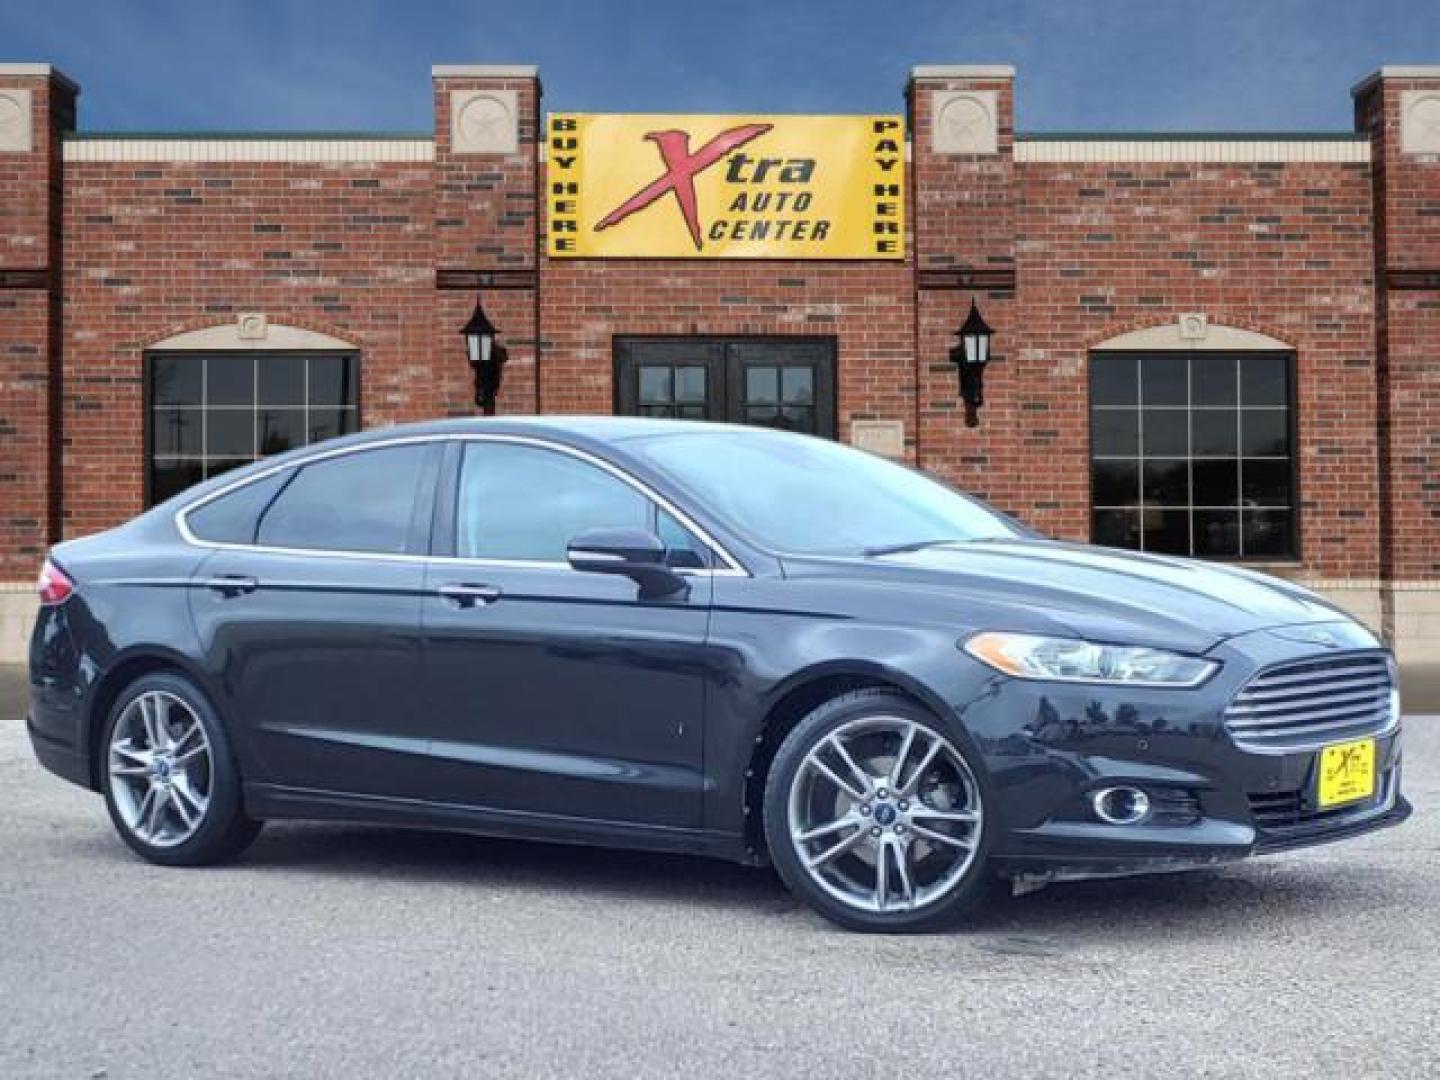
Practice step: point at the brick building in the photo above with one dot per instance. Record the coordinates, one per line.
(1220, 345)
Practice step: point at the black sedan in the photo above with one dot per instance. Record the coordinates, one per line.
(698, 638)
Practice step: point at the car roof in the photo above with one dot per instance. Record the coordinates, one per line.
(597, 429)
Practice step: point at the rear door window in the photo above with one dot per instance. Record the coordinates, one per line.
(361, 502)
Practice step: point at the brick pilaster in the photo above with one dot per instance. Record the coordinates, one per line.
(1400, 109)
(37, 105)
(487, 219)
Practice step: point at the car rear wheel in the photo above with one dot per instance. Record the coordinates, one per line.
(170, 780)
(874, 815)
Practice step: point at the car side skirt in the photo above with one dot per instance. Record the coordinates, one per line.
(275, 801)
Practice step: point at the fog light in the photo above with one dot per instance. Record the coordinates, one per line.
(1121, 805)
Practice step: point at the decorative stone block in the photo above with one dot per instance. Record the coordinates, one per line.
(484, 122)
(883, 437)
(965, 122)
(252, 326)
(1420, 122)
(16, 128)
(1193, 326)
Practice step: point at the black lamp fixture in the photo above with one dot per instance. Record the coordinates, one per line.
(970, 356)
(487, 358)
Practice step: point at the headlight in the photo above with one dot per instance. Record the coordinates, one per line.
(1029, 656)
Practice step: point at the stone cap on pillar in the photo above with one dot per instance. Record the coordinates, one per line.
(485, 71)
(962, 71)
(1416, 101)
(18, 86)
(39, 71)
(1397, 71)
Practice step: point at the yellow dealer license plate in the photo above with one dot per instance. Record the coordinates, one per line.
(1347, 772)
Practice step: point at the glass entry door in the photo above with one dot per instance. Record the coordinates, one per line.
(786, 383)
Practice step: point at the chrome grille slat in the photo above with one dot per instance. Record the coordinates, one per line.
(1317, 677)
(1376, 681)
(1332, 707)
(1302, 704)
(1331, 727)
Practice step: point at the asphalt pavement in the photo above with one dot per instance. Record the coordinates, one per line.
(343, 952)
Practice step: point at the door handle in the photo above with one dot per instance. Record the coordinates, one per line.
(466, 595)
(232, 584)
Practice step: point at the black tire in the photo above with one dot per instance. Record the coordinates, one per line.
(224, 829)
(971, 888)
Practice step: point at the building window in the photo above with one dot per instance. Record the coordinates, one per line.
(209, 413)
(1192, 453)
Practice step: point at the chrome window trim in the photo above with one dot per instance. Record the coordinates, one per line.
(733, 567)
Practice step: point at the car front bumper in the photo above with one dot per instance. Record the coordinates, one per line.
(1049, 746)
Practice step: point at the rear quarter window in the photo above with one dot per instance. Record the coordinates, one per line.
(234, 518)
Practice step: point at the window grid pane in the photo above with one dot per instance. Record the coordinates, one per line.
(1208, 473)
(212, 413)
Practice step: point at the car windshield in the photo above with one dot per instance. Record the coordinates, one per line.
(808, 496)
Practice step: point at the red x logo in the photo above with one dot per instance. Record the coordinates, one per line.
(681, 168)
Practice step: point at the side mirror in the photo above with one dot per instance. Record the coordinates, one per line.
(634, 553)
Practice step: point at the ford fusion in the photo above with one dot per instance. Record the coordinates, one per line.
(691, 637)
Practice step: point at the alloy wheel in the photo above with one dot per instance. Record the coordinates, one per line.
(885, 815)
(160, 769)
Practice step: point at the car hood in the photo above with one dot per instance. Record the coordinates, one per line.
(1103, 593)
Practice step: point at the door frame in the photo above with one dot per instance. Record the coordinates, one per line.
(826, 405)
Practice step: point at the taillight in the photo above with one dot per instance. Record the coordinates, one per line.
(54, 587)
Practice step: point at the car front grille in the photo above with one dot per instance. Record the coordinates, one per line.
(1294, 809)
(1307, 703)
(1288, 809)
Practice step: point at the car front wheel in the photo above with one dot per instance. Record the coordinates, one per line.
(170, 780)
(875, 817)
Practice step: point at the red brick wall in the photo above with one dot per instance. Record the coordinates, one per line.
(1064, 257)
(1281, 249)
(350, 249)
(1101, 249)
(1407, 204)
(157, 248)
(30, 254)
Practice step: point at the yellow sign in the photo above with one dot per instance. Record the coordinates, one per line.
(726, 187)
(1347, 772)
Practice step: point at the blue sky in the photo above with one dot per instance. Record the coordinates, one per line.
(364, 64)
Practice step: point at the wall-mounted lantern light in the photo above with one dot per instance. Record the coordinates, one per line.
(971, 355)
(487, 358)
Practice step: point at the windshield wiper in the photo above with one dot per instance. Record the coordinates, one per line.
(900, 549)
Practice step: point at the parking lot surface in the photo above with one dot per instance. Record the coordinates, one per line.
(342, 952)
